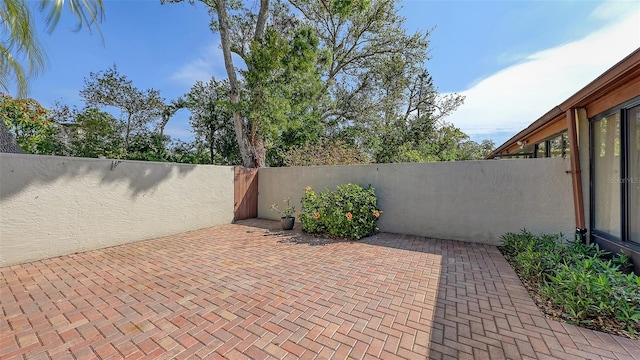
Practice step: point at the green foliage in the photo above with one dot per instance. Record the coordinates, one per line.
(313, 207)
(349, 211)
(590, 290)
(189, 153)
(349, 7)
(283, 80)
(110, 89)
(531, 253)
(423, 140)
(148, 146)
(324, 152)
(335, 69)
(212, 123)
(96, 134)
(578, 279)
(29, 123)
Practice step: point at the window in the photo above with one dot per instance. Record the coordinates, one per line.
(606, 170)
(556, 146)
(615, 174)
(541, 149)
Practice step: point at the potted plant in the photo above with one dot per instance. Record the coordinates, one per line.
(287, 214)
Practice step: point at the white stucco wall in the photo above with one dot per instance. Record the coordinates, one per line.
(51, 206)
(471, 201)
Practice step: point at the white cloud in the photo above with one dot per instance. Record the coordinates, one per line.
(613, 9)
(513, 98)
(208, 63)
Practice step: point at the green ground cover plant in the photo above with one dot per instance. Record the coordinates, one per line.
(578, 283)
(350, 211)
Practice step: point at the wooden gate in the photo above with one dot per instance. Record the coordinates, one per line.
(245, 193)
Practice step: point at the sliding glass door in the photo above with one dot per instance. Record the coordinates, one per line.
(615, 174)
(606, 166)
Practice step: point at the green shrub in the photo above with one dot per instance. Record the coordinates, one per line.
(349, 211)
(591, 290)
(533, 256)
(314, 207)
(587, 284)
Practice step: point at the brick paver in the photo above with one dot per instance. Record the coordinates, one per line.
(242, 292)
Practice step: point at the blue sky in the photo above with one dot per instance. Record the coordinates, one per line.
(513, 60)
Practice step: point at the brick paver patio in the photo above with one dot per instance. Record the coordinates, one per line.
(240, 291)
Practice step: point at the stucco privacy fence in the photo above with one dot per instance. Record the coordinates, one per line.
(52, 206)
(475, 201)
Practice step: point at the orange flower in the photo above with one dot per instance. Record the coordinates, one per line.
(349, 215)
(308, 188)
(316, 215)
(297, 214)
(376, 213)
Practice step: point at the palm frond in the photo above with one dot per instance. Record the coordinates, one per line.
(87, 12)
(21, 42)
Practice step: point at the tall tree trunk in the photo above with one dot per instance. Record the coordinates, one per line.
(234, 94)
(252, 151)
(8, 143)
(261, 22)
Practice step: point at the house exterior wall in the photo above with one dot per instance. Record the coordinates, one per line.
(475, 201)
(612, 89)
(52, 206)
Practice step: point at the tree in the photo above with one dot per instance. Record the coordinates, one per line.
(22, 42)
(359, 35)
(96, 134)
(148, 146)
(280, 72)
(360, 77)
(211, 121)
(139, 109)
(188, 152)
(282, 84)
(251, 148)
(325, 152)
(444, 142)
(28, 123)
(471, 150)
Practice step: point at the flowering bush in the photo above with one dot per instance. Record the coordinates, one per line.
(349, 211)
(29, 123)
